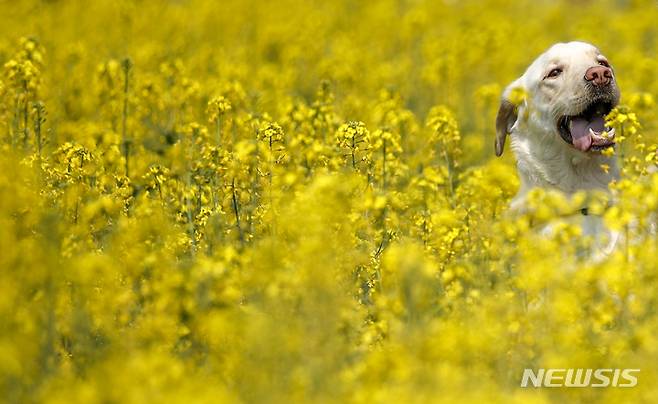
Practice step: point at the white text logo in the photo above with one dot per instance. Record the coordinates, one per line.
(579, 378)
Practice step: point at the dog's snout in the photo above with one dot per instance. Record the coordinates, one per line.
(599, 75)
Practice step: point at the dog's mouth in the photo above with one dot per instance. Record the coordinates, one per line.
(587, 131)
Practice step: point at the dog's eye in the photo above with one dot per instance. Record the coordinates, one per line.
(554, 73)
(604, 63)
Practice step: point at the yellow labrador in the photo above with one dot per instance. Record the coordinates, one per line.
(558, 131)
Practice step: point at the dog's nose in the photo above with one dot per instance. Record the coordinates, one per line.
(599, 75)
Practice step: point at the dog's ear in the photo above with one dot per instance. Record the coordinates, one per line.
(504, 121)
(507, 114)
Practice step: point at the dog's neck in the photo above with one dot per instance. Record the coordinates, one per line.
(545, 161)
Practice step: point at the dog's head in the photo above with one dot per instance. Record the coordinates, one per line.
(568, 91)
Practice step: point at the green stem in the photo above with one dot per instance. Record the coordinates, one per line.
(124, 131)
(450, 179)
(384, 166)
(236, 212)
(353, 156)
(218, 129)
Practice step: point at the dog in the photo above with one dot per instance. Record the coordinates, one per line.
(557, 131)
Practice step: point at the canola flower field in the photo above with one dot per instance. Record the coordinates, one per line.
(298, 201)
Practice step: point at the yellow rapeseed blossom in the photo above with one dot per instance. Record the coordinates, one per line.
(292, 202)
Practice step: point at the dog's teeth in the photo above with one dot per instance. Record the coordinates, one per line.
(611, 133)
(595, 135)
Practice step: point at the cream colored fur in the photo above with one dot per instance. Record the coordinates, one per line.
(544, 159)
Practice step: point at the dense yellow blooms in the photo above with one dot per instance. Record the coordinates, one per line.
(297, 201)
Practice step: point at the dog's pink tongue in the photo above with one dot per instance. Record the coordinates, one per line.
(579, 127)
